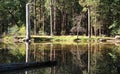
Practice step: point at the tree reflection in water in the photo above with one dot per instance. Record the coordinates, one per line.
(27, 54)
(95, 58)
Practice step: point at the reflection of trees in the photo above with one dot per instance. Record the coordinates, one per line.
(106, 62)
(100, 60)
(6, 57)
(11, 54)
(71, 58)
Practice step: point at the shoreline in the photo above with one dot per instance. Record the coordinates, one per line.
(68, 38)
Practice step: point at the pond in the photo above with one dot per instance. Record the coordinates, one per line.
(77, 58)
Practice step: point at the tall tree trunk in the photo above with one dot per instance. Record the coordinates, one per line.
(63, 20)
(40, 11)
(95, 27)
(51, 19)
(27, 22)
(100, 32)
(35, 22)
(89, 23)
(54, 17)
(44, 22)
(43, 17)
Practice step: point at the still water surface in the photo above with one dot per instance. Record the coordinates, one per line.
(95, 58)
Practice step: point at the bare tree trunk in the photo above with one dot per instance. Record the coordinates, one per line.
(51, 19)
(63, 21)
(100, 32)
(89, 25)
(40, 14)
(73, 12)
(27, 22)
(54, 16)
(44, 22)
(35, 22)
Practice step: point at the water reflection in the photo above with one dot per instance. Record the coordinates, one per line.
(27, 51)
(27, 54)
(89, 58)
(89, 53)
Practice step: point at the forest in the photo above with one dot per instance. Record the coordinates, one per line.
(61, 17)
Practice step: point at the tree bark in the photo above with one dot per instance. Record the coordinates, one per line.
(27, 22)
(63, 20)
(54, 17)
(89, 25)
(51, 19)
(35, 22)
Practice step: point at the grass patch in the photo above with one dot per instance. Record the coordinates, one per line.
(72, 38)
(57, 39)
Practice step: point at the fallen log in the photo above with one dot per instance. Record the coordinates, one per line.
(26, 66)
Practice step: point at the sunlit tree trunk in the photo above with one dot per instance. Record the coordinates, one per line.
(89, 23)
(51, 19)
(27, 22)
(54, 17)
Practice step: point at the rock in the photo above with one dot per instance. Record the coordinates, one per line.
(117, 37)
(102, 40)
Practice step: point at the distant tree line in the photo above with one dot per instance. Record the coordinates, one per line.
(61, 17)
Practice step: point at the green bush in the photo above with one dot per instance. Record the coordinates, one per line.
(22, 30)
(13, 30)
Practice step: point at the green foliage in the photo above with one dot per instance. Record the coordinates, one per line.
(115, 32)
(105, 12)
(18, 50)
(22, 30)
(47, 6)
(13, 30)
(114, 28)
(12, 12)
(109, 10)
(114, 58)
